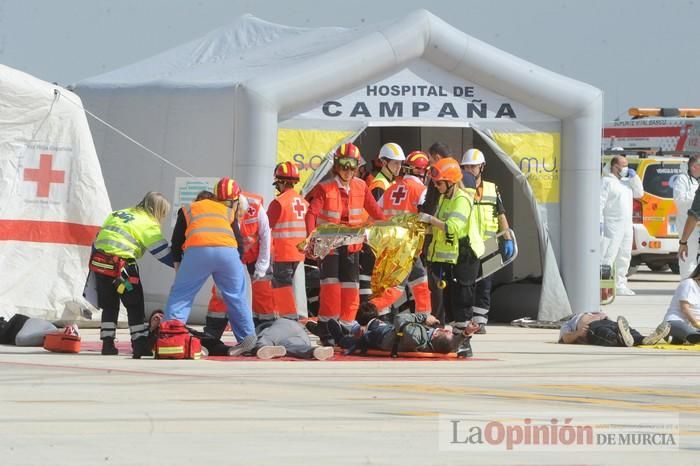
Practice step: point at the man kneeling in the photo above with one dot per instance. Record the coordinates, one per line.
(408, 333)
(594, 328)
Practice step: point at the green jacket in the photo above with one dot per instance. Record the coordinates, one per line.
(461, 225)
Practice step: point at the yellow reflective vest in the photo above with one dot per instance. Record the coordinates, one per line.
(460, 222)
(129, 233)
(486, 209)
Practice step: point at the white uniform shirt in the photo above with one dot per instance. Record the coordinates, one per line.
(265, 237)
(688, 290)
(616, 198)
(683, 193)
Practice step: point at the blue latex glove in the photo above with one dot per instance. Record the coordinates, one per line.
(631, 173)
(508, 248)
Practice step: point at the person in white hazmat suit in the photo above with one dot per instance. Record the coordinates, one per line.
(618, 189)
(684, 188)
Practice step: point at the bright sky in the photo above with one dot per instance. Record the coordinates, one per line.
(640, 52)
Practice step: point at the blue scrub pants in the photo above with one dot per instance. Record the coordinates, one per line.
(225, 267)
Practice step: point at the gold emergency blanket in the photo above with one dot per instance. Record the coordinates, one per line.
(395, 243)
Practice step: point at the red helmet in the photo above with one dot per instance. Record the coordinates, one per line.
(287, 171)
(348, 151)
(418, 160)
(446, 169)
(227, 189)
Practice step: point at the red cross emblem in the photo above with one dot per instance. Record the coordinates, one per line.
(252, 211)
(399, 195)
(299, 208)
(44, 175)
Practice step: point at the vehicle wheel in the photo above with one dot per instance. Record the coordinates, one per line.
(675, 268)
(658, 266)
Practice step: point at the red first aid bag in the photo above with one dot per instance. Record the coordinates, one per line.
(106, 264)
(175, 342)
(67, 341)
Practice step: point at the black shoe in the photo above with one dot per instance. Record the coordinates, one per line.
(108, 348)
(693, 338)
(336, 331)
(312, 327)
(465, 349)
(141, 348)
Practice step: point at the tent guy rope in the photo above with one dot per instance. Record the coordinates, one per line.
(58, 93)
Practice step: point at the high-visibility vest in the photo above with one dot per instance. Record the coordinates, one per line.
(457, 213)
(332, 208)
(249, 227)
(209, 224)
(486, 209)
(290, 229)
(128, 233)
(379, 181)
(402, 197)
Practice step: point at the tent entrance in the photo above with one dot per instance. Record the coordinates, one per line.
(527, 270)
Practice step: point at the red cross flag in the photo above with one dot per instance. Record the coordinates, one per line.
(52, 197)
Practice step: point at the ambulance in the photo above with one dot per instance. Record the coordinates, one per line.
(656, 142)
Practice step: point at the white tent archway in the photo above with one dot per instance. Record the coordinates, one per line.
(258, 77)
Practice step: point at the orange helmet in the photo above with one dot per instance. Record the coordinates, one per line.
(227, 189)
(446, 169)
(348, 151)
(287, 171)
(418, 160)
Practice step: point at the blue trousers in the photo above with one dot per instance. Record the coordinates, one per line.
(225, 267)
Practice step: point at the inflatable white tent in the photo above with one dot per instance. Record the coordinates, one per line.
(52, 194)
(247, 95)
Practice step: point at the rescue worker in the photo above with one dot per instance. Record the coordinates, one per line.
(342, 200)
(405, 196)
(286, 215)
(391, 158)
(456, 246)
(123, 238)
(210, 248)
(256, 240)
(683, 193)
(618, 189)
(491, 217)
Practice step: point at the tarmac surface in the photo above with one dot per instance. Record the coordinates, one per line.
(90, 409)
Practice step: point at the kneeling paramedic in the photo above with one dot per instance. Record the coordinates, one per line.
(210, 248)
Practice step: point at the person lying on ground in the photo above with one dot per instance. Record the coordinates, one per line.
(594, 328)
(684, 311)
(408, 333)
(286, 337)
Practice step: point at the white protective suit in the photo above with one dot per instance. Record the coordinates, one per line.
(616, 197)
(683, 193)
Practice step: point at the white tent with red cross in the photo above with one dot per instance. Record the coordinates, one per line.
(52, 197)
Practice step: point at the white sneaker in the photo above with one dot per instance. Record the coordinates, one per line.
(624, 292)
(269, 352)
(658, 334)
(323, 352)
(624, 329)
(248, 344)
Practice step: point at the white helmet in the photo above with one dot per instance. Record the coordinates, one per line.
(617, 149)
(473, 157)
(392, 151)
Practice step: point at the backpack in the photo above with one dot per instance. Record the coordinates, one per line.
(174, 341)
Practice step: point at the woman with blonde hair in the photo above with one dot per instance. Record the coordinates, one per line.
(124, 237)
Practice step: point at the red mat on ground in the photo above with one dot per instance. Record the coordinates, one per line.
(124, 348)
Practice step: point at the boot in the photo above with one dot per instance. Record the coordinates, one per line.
(108, 348)
(465, 349)
(321, 331)
(141, 348)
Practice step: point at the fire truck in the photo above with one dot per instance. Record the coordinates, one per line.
(657, 142)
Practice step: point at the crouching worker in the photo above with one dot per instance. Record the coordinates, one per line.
(124, 237)
(409, 333)
(286, 337)
(210, 248)
(594, 328)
